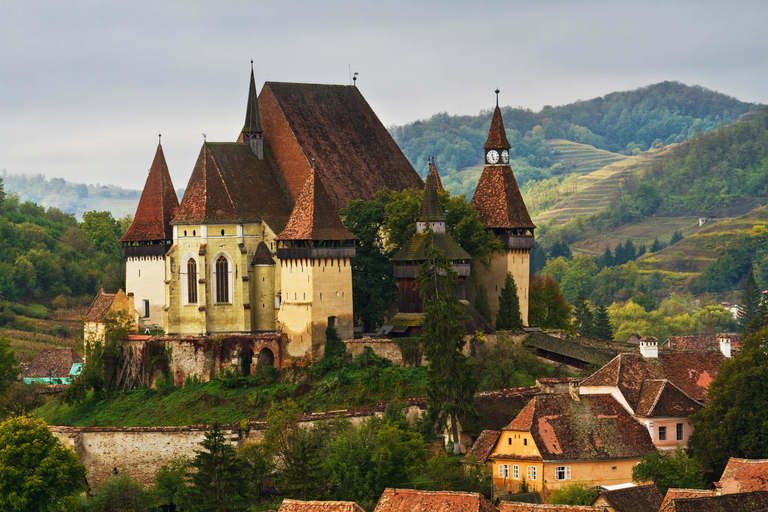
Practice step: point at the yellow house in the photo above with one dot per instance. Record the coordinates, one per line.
(104, 304)
(558, 440)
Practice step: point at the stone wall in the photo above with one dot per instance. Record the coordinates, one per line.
(140, 451)
(381, 347)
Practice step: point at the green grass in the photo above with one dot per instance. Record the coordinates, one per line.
(580, 158)
(28, 336)
(203, 403)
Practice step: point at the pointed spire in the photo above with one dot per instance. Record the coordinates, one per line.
(252, 116)
(433, 172)
(497, 136)
(314, 216)
(431, 210)
(157, 206)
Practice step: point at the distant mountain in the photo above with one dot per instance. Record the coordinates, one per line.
(621, 122)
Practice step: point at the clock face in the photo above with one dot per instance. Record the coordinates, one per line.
(492, 156)
(505, 157)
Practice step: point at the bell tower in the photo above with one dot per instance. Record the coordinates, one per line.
(252, 133)
(503, 212)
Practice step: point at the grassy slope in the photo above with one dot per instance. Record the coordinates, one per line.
(26, 344)
(644, 232)
(581, 158)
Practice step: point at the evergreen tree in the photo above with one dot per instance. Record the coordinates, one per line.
(676, 237)
(508, 318)
(218, 483)
(548, 308)
(750, 301)
(584, 319)
(603, 328)
(481, 303)
(656, 246)
(607, 259)
(450, 383)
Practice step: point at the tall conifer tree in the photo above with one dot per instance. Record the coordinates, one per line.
(508, 318)
(602, 325)
(481, 303)
(750, 301)
(584, 319)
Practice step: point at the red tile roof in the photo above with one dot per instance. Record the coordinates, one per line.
(157, 206)
(289, 505)
(691, 372)
(433, 172)
(701, 342)
(596, 427)
(662, 398)
(314, 216)
(484, 445)
(513, 506)
(408, 500)
(756, 501)
(354, 153)
(497, 136)
(642, 498)
(229, 184)
(52, 362)
(498, 200)
(100, 306)
(262, 256)
(684, 493)
(743, 475)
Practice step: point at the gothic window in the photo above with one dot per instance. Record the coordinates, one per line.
(222, 279)
(191, 281)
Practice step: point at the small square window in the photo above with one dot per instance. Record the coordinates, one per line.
(503, 470)
(516, 472)
(563, 473)
(531, 472)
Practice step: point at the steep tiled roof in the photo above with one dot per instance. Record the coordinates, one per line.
(355, 154)
(673, 493)
(157, 206)
(314, 217)
(408, 500)
(415, 249)
(289, 505)
(100, 306)
(484, 445)
(262, 256)
(691, 372)
(512, 506)
(582, 349)
(433, 172)
(660, 397)
(497, 136)
(229, 184)
(52, 362)
(252, 116)
(756, 501)
(642, 498)
(497, 408)
(431, 209)
(743, 475)
(498, 200)
(700, 342)
(595, 427)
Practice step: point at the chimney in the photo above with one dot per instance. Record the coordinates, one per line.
(649, 347)
(725, 345)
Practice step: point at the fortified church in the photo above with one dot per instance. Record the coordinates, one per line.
(254, 263)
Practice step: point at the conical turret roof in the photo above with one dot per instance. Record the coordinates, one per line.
(497, 137)
(252, 116)
(433, 172)
(314, 215)
(157, 206)
(431, 210)
(498, 200)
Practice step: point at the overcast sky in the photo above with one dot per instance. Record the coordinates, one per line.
(85, 86)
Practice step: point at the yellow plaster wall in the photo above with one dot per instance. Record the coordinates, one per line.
(516, 261)
(593, 472)
(263, 298)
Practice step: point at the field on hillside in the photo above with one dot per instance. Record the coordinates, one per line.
(28, 336)
(644, 232)
(580, 158)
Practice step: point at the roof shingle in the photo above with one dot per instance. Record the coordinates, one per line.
(743, 475)
(498, 200)
(289, 505)
(100, 306)
(409, 500)
(484, 445)
(513, 506)
(641, 498)
(52, 363)
(756, 501)
(497, 135)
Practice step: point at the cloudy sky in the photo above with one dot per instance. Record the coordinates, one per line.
(85, 86)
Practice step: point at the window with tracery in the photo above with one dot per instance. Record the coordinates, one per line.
(191, 281)
(222, 279)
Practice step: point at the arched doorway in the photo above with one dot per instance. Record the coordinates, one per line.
(266, 358)
(246, 358)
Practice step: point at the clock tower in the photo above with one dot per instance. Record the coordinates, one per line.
(498, 201)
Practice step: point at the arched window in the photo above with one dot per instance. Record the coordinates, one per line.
(191, 281)
(222, 279)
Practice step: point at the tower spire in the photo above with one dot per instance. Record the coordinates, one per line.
(252, 131)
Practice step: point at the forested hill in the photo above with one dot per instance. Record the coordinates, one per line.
(626, 122)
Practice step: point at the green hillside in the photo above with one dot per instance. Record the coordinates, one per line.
(578, 158)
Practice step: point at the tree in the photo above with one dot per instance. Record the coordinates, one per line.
(259, 467)
(750, 301)
(548, 308)
(580, 493)
(603, 328)
(656, 246)
(9, 368)
(669, 469)
(734, 423)
(676, 237)
(508, 318)
(218, 485)
(120, 493)
(171, 490)
(103, 231)
(37, 473)
(450, 383)
(584, 319)
(482, 306)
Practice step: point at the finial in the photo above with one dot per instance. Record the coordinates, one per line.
(251, 64)
(159, 138)
(497, 97)
(313, 162)
(204, 136)
(354, 79)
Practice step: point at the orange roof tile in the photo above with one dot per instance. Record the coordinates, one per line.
(497, 136)
(743, 475)
(660, 397)
(673, 493)
(641, 498)
(513, 506)
(53, 363)
(409, 500)
(433, 172)
(498, 200)
(262, 256)
(314, 216)
(755, 501)
(157, 206)
(484, 445)
(289, 505)
(100, 306)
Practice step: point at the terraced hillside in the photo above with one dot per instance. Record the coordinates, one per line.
(594, 243)
(597, 190)
(580, 158)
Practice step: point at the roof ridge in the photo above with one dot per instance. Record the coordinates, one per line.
(223, 182)
(658, 393)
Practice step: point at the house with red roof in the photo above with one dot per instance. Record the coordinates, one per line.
(104, 305)
(410, 500)
(659, 389)
(557, 440)
(743, 475)
(289, 505)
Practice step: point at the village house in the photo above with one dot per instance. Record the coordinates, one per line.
(755, 501)
(53, 366)
(105, 305)
(557, 440)
(743, 475)
(639, 498)
(289, 505)
(512, 506)
(673, 493)
(659, 389)
(409, 500)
